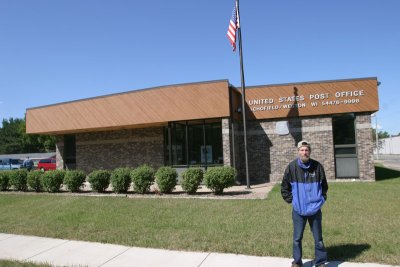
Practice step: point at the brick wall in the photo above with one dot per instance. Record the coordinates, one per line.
(365, 147)
(124, 148)
(226, 139)
(59, 152)
(270, 153)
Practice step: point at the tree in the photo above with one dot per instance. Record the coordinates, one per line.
(10, 136)
(381, 135)
(14, 140)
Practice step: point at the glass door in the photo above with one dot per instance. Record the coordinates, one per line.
(344, 139)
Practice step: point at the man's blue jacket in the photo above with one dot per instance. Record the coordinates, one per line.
(305, 186)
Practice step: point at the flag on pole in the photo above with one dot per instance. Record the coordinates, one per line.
(233, 26)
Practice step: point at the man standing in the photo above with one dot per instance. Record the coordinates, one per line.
(28, 164)
(304, 185)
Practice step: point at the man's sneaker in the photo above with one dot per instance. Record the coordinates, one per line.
(296, 265)
(321, 265)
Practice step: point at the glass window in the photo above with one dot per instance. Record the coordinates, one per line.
(196, 142)
(345, 150)
(344, 130)
(178, 145)
(69, 151)
(214, 140)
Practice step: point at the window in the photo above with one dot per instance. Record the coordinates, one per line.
(196, 142)
(344, 130)
(69, 151)
(15, 161)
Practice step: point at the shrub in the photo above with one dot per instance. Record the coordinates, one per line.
(74, 179)
(4, 180)
(166, 179)
(219, 178)
(18, 179)
(121, 180)
(99, 180)
(142, 178)
(52, 180)
(34, 180)
(191, 179)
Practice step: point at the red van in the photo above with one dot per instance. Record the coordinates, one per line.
(47, 164)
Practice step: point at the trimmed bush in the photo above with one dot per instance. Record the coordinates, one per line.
(219, 178)
(99, 180)
(18, 179)
(74, 180)
(191, 179)
(34, 180)
(142, 178)
(166, 179)
(121, 180)
(4, 180)
(52, 180)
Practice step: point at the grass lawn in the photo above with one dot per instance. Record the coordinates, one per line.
(361, 221)
(9, 263)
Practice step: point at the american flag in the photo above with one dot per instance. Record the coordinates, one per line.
(233, 26)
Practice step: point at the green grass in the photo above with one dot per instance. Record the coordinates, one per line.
(361, 221)
(9, 263)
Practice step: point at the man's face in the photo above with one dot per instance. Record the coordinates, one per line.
(304, 154)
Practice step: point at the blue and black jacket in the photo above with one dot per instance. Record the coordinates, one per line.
(305, 186)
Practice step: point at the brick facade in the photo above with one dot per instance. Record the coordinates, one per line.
(59, 152)
(268, 152)
(226, 142)
(365, 146)
(112, 149)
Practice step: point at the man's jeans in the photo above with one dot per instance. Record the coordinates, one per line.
(299, 223)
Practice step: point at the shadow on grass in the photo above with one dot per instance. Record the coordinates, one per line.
(340, 253)
(382, 173)
(346, 252)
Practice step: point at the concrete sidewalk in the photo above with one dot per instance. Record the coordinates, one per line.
(391, 163)
(60, 252)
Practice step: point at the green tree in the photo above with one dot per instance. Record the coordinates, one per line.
(13, 139)
(10, 137)
(381, 135)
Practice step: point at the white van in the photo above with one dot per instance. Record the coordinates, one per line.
(10, 164)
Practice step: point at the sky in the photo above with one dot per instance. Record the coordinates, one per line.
(54, 51)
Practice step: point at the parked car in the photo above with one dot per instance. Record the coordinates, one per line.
(10, 164)
(47, 164)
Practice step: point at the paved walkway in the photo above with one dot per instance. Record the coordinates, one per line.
(60, 252)
(391, 163)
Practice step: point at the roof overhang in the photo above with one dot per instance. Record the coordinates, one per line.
(140, 108)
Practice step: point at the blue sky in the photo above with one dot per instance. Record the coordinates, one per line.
(53, 51)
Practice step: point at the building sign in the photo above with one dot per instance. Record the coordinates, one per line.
(312, 99)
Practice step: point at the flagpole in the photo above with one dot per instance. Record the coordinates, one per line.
(243, 96)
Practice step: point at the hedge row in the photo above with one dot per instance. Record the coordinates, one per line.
(215, 178)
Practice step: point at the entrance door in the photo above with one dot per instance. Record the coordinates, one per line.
(344, 138)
